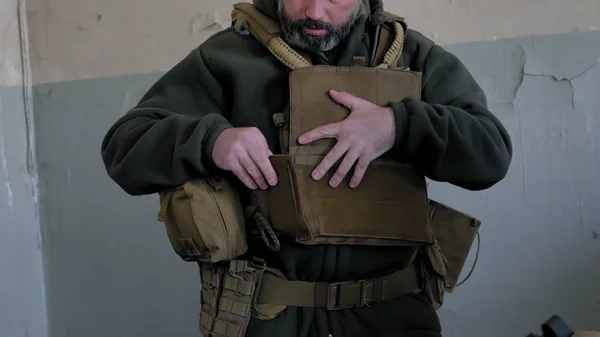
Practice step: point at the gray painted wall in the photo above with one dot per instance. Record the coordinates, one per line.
(22, 299)
(540, 250)
(111, 271)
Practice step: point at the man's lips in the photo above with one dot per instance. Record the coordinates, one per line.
(312, 31)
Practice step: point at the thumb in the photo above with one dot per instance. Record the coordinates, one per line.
(349, 101)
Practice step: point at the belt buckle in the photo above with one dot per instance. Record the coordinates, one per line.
(348, 295)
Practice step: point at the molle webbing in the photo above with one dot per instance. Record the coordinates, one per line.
(228, 296)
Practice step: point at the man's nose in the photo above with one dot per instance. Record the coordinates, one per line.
(315, 9)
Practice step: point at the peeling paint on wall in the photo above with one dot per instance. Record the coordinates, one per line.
(540, 225)
(4, 164)
(550, 61)
(159, 33)
(22, 292)
(209, 21)
(10, 62)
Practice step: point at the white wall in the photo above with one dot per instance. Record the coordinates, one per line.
(10, 52)
(90, 39)
(22, 301)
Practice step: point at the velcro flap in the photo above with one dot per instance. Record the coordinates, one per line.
(311, 105)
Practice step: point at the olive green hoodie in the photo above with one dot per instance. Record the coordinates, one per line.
(231, 80)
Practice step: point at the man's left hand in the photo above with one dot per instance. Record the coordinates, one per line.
(367, 133)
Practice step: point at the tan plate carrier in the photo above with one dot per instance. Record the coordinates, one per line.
(205, 221)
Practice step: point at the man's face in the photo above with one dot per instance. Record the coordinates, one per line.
(317, 25)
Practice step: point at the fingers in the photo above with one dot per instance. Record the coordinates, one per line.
(343, 169)
(243, 175)
(325, 131)
(330, 158)
(349, 101)
(359, 172)
(264, 165)
(253, 170)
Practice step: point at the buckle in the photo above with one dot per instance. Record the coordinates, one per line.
(258, 263)
(349, 294)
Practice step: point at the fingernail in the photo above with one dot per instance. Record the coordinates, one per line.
(316, 175)
(333, 183)
(301, 140)
(273, 182)
(334, 91)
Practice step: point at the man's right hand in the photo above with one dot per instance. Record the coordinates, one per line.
(245, 152)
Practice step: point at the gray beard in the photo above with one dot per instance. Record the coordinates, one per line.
(293, 31)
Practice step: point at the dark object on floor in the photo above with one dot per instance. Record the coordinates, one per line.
(556, 327)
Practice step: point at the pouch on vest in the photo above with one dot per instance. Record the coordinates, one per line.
(454, 233)
(390, 205)
(204, 220)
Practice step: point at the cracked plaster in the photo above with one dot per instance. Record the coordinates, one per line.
(151, 35)
(539, 224)
(546, 60)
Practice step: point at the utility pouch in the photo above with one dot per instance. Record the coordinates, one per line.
(204, 220)
(390, 205)
(454, 233)
(375, 213)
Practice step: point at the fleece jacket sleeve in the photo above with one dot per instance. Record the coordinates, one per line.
(168, 137)
(450, 135)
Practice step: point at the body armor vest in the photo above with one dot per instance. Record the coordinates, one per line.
(390, 207)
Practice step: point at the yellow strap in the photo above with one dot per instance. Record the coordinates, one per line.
(390, 60)
(394, 50)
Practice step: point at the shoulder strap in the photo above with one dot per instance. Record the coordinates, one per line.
(248, 19)
(391, 41)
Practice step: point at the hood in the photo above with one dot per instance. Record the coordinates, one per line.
(372, 8)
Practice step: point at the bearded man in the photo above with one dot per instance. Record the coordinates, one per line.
(211, 114)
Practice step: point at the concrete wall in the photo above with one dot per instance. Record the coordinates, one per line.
(22, 301)
(540, 250)
(90, 39)
(110, 270)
